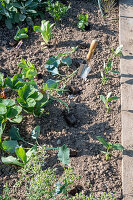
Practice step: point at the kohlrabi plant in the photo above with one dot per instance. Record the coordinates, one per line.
(109, 146)
(83, 21)
(108, 68)
(108, 99)
(57, 10)
(54, 62)
(45, 29)
(21, 34)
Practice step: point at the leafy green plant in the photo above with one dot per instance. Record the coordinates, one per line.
(21, 34)
(13, 11)
(103, 196)
(83, 21)
(57, 10)
(28, 70)
(30, 98)
(45, 29)
(22, 156)
(9, 111)
(109, 146)
(108, 5)
(54, 62)
(107, 99)
(109, 66)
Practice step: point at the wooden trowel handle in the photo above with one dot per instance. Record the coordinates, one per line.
(91, 50)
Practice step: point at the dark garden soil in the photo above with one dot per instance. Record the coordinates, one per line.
(88, 111)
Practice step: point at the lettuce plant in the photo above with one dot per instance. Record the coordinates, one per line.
(21, 34)
(45, 29)
(109, 146)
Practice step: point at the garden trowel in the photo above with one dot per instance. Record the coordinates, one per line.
(85, 68)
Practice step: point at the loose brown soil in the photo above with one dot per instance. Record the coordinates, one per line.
(86, 106)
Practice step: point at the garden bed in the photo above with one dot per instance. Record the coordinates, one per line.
(97, 174)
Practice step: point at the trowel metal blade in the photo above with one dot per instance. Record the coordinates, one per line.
(84, 71)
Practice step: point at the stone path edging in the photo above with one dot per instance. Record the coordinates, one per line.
(126, 68)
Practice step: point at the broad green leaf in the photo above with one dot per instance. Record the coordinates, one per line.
(20, 152)
(30, 102)
(64, 154)
(3, 109)
(37, 96)
(11, 160)
(36, 132)
(31, 151)
(103, 141)
(16, 119)
(31, 73)
(103, 99)
(42, 102)
(117, 147)
(37, 29)
(10, 145)
(14, 133)
(52, 84)
(67, 61)
(22, 17)
(113, 98)
(13, 111)
(26, 91)
(7, 102)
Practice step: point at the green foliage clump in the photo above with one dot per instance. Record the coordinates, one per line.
(13, 11)
(83, 21)
(57, 10)
(109, 146)
(107, 99)
(45, 29)
(21, 34)
(109, 66)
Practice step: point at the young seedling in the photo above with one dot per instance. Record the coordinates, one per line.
(109, 66)
(109, 146)
(45, 29)
(21, 34)
(107, 99)
(83, 21)
(57, 10)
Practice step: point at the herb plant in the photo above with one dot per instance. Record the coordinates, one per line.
(21, 34)
(45, 29)
(57, 10)
(109, 146)
(107, 99)
(83, 21)
(109, 66)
